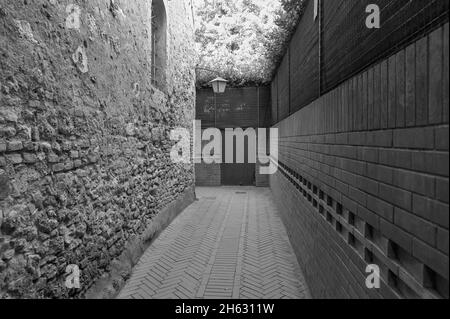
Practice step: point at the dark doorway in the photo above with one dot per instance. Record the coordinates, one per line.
(237, 174)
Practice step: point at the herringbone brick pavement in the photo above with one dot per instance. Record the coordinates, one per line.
(230, 244)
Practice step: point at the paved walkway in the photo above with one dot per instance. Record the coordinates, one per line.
(230, 244)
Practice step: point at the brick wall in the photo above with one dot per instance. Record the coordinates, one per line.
(364, 175)
(261, 180)
(208, 175)
(84, 148)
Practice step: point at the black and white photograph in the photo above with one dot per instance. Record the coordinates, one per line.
(224, 157)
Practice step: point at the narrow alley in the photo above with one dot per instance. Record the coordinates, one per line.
(231, 243)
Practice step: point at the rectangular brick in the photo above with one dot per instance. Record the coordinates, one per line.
(357, 195)
(368, 154)
(415, 182)
(379, 138)
(396, 158)
(381, 208)
(416, 138)
(431, 162)
(442, 190)
(431, 210)
(356, 167)
(441, 136)
(400, 89)
(342, 139)
(349, 204)
(341, 187)
(356, 105)
(394, 233)
(364, 102)
(435, 106)
(416, 226)
(370, 99)
(348, 178)
(384, 95)
(396, 196)
(422, 81)
(410, 60)
(442, 240)
(2, 147)
(357, 138)
(367, 185)
(445, 69)
(392, 101)
(376, 96)
(380, 173)
(431, 257)
(347, 107)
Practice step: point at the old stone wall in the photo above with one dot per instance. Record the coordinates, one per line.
(84, 147)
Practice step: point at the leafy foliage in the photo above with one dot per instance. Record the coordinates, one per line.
(243, 40)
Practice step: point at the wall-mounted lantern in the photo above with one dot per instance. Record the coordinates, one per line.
(219, 85)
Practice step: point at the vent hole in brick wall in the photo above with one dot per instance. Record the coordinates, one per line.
(368, 256)
(368, 231)
(339, 227)
(241, 193)
(329, 201)
(392, 250)
(363, 237)
(400, 287)
(329, 218)
(351, 219)
(339, 209)
(440, 284)
(351, 240)
(422, 273)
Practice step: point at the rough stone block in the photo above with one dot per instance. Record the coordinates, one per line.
(74, 154)
(52, 158)
(14, 146)
(29, 158)
(58, 167)
(4, 187)
(14, 158)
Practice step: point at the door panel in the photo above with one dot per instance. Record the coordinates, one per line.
(237, 174)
